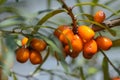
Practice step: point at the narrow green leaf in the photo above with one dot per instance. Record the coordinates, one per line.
(116, 43)
(90, 17)
(112, 32)
(49, 3)
(117, 12)
(82, 74)
(92, 6)
(11, 22)
(9, 9)
(43, 11)
(14, 76)
(57, 43)
(61, 56)
(95, 4)
(80, 8)
(105, 69)
(49, 15)
(110, 2)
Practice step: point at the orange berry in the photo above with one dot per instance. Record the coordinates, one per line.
(38, 44)
(24, 41)
(66, 35)
(35, 57)
(116, 78)
(99, 16)
(86, 56)
(77, 47)
(103, 42)
(59, 30)
(90, 49)
(85, 33)
(22, 55)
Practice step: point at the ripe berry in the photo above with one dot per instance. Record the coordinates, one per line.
(24, 41)
(22, 55)
(59, 30)
(116, 78)
(35, 57)
(99, 16)
(66, 35)
(77, 47)
(85, 33)
(89, 49)
(103, 42)
(38, 44)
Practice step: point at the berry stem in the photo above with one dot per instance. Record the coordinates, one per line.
(70, 13)
(80, 8)
(116, 69)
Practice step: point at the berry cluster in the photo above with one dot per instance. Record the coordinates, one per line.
(31, 52)
(84, 39)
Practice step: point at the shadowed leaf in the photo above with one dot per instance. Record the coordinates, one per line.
(105, 69)
(14, 76)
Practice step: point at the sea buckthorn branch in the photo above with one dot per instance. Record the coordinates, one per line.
(70, 13)
(109, 24)
(116, 69)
